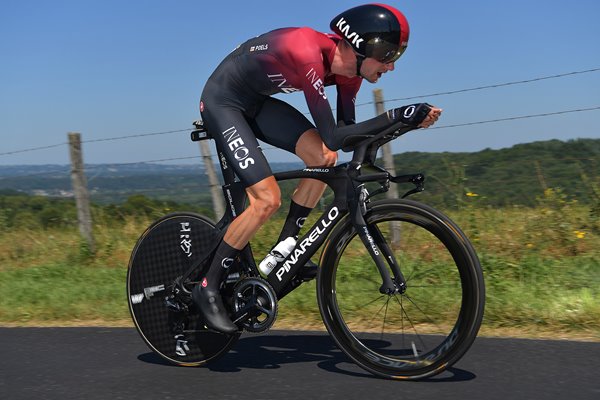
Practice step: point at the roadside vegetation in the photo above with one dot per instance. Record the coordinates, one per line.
(541, 263)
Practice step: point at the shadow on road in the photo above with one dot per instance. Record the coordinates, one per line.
(273, 351)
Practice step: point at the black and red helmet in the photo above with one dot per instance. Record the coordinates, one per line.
(378, 31)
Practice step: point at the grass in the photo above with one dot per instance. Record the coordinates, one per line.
(541, 268)
(60, 292)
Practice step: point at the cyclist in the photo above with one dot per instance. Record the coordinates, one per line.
(237, 108)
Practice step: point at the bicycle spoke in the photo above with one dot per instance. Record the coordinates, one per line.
(423, 312)
(381, 308)
(384, 317)
(371, 302)
(372, 280)
(421, 273)
(411, 323)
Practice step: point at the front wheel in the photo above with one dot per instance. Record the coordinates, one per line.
(412, 334)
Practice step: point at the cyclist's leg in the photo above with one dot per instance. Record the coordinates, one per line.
(283, 126)
(235, 137)
(264, 200)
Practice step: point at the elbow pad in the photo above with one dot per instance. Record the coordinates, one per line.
(411, 115)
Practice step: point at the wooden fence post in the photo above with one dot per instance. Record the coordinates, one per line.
(215, 187)
(82, 198)
(388, 163)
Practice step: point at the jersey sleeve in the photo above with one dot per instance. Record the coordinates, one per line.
(313, 86)
(320, 110)
(346, 98)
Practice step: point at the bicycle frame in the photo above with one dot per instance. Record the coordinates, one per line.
(350, 198)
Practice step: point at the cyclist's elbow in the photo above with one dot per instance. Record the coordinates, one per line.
(332, 144)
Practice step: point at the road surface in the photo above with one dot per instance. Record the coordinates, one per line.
(114, 363)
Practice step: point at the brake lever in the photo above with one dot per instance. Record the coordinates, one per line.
(417, 179)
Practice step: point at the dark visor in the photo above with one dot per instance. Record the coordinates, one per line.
(386, 52)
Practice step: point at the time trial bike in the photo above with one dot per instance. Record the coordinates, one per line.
(399, 286)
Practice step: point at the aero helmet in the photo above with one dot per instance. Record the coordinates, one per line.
(378, 31)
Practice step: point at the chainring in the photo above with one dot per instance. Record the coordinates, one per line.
(254, 304)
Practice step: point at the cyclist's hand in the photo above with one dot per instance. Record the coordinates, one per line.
(431, 117)
(420, 115)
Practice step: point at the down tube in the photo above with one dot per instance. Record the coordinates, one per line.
(307, 246)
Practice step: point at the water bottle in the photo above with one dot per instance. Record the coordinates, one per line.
(278, 254)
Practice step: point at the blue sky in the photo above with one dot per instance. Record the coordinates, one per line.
(118, 68)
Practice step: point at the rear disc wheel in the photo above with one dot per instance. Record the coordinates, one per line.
(168, 248)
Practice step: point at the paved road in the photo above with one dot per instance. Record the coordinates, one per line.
(107, 363)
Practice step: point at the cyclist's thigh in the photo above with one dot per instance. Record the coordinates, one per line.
(280, 124)
(235, 137)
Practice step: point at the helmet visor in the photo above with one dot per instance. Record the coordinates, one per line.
(385, 52)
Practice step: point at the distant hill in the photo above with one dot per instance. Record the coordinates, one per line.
(516, 175)
(110, 183)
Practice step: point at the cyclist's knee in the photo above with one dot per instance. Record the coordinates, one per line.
(265, 199)
(329, 158)
(265, 207)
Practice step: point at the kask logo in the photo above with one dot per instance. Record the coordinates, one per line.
(343, 26)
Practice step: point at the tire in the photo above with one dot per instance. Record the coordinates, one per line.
(422, 331)
(160, 255)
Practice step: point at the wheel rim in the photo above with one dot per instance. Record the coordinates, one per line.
(414, 334)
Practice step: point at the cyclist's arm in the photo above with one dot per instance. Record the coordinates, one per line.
(333, 135)
(347, 88)
(412, 115)
(313, 86)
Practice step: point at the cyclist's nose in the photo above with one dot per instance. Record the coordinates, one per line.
(390, 66)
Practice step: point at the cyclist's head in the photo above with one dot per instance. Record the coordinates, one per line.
(377, 31)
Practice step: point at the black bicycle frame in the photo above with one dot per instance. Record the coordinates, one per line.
(350, 197)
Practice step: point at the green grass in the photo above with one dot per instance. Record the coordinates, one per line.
(561, 294)
(62, 292)
(541, 268)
